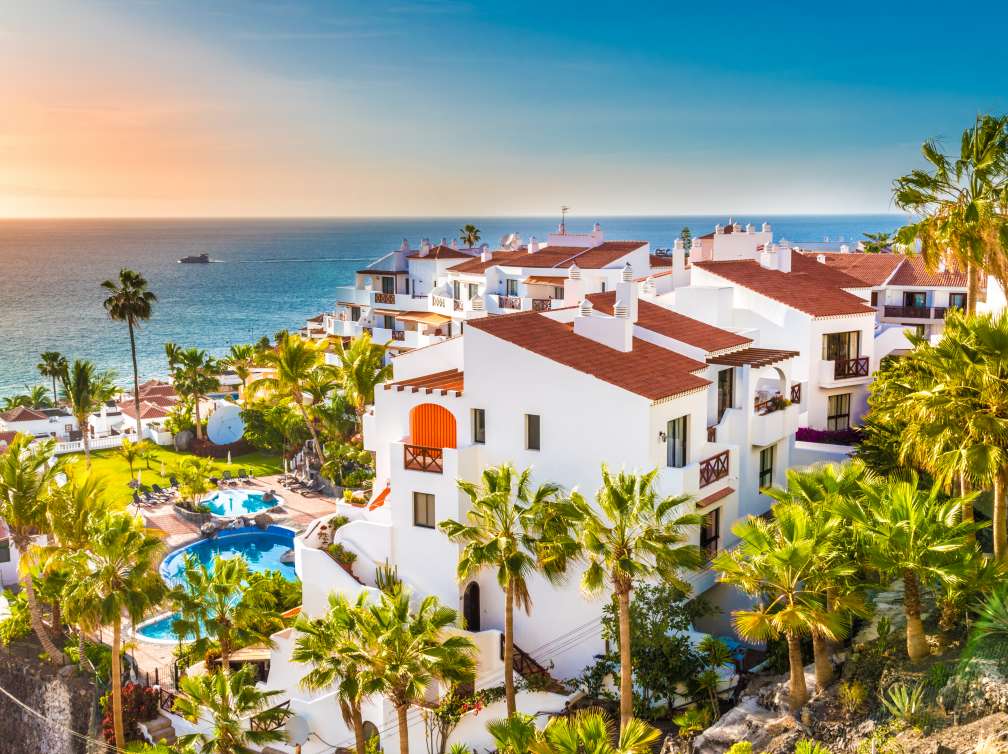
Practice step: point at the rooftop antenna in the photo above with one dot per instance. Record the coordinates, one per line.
(564, 209)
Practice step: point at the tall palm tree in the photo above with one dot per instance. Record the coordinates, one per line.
(130, 301)
(959, 202)
(775, 562)
(85, 390)
(129, 451)
(26, 480)
(913, 534)
(240, 359)
(173, 353)
(52, 364)
(322, 643)
(502, 533)
(230, 699)
(631, 534)
(194, 375)
(38, 397)
(361, 368)
(469, 235)
(117, 576)
(294, 363)
(409, 650)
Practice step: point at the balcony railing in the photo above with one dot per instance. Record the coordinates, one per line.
(272, 719)
(856, 367)
(773, 403)
(796, 393)
(421, 458)
(710, 547)
(398, 335)
(458, 305)
(916, 312)
(712, 433)
(714, 468)
(384, 298)
(509, 302)
(541, 304)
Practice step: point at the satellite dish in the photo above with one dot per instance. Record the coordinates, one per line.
(297, 730)
(510, 241)
(225, 425)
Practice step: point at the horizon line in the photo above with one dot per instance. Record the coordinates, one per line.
(439, 217)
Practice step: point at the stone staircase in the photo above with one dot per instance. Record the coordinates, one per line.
(160, 729)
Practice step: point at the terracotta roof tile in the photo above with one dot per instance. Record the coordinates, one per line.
(6, 438)
(478, 266)
(147, 410)
(870, 269)
(660, 260)
(805, 288)
(556, 257)
(648, 370)
(915, 272)
(448, 380)
(664, 321)
(441, 252)
(23, 414)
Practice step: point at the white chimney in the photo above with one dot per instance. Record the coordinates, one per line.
(613, 332)
(533, 245)
(750, 228)
(718, 229)
(678, 263)
(585, 308)
(621, 310)
(766, 227)
(736, 228)
(844, 249)
(444, 241)
(454, 243)
(784, 256)
(626, 292)
(405, 245)
(941, 266)
(573, 287)
(425, 247)
(597, 228)
(485, 255)
(821, 258)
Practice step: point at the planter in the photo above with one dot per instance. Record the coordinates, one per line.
(193, 517)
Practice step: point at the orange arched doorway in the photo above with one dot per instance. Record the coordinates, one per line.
(432, 426)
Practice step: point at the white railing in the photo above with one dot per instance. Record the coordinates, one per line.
(97, 443)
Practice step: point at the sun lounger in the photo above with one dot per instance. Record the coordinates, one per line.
(174, 482)
(161, 492)
(226, 478)
(214, 480)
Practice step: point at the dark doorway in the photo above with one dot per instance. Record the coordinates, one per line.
(471, 607)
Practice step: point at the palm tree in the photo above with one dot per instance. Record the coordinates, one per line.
(14, 401)
(409, 650)
(360, 369)
(85, 390)
(960, 202)
(322, 643)
(194, 478)
(240, 359)
(469, 235)
(502, 534)
(130, 301)
(26, 479)
(194, 375)
(116, 576)
(38, 397)
(877, 243)
(52, 364)
(129, 451)
(230, 699)
(293, 363)
(173, 352)
(775, 562)
(587, 730)
(910, 533)
(631, 535)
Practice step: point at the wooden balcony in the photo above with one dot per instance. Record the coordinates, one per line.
(541, 304)
(421, 458)
(398, 335)
(796, 393)
(915, 312)
(714, 468)
(847, 368)
(384, 298)
(769, 405)
(509, 302)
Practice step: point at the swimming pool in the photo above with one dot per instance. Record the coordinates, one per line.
(263, 549)
(238, 502)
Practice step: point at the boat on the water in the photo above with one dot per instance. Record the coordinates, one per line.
(195, 259)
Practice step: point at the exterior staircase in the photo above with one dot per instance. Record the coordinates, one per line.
(161, 729)
(529, 668)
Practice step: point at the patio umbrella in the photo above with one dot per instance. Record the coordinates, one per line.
(229, 458)
(285, 467)
(139, 474)
(162, 468)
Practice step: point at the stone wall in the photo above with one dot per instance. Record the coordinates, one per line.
(64, 699)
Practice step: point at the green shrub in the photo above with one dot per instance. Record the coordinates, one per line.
(853, 697)
(342, 555)
(18, 624)
(808, 746)
(905, 703)
(740, 747)
(693, 721)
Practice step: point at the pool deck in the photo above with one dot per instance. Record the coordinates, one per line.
(299, 510)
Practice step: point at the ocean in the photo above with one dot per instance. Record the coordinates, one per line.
(267, 275)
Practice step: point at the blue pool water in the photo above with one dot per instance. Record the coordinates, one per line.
(262, 550)
(238, 502)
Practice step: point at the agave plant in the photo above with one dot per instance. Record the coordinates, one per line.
(904, 703)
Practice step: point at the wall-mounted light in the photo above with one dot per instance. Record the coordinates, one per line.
(661, 436)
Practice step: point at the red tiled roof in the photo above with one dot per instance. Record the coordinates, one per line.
(870, 269)
(450, 379)
(6, 438)
(441, 252)
(914, 272)
(648, 370)
(671, 324)
(545, 279)
(148, 410)
(556, 257)
(727, 228)
(808, 289)
(477, 265)
(23, 414)
(660, 260)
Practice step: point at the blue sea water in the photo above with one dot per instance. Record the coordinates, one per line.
(268, 275)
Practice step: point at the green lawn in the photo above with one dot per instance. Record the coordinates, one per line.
(110, 465)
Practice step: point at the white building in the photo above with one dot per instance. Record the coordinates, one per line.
(39, 422)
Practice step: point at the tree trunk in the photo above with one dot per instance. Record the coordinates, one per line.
(1000, 533)
(314, 434)
(626, 662)
(199, 428)
(35, 614)
(509, 689)
(401, 710)
(967, 506)
(57, 620)
(916, 641)
(358, 728)
(86, 436)
(821, 649)
(116, 682)
(798, 689)
(81, 648)
(55, 398)
(136, 382)
(972, 287)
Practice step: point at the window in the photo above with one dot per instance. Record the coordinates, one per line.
(874, 298)
(710, 532)
(957, 301)
(603, 287)
(841, 346)
(838, 412)
(387, 284)
(5, 552)
(558, 291)
(473, 290)
(355, 313)
(675, 442)
(388, 321)
(725, 391)
(915, 299)
(456, 290)
(479, 425)
(532, 432)
(917, 328)
(511, 287)
(423, 510)
(766, 459)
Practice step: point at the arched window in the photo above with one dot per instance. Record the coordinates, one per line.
(471, 607)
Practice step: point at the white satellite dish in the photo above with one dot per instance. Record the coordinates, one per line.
(297, 730)
(225, 424)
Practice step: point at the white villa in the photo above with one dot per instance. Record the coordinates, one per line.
(39, 422)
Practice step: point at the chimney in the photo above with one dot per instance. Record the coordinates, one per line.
(614, 332)
(477, 303)
(444, 241)
(454, 243)
(485, 255)
(425, 247)
(573, 287)
(678, 263)
(626, 292)
(533, 245)
(766, 227)
(696, 252)
(844, 249)
(405, 245)
(821, 258)
(597, 228)
(784, 256)
(749, 229)
(718, 229)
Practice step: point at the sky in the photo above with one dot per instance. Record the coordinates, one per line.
(165, 108)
